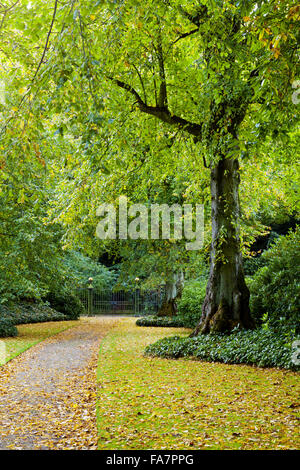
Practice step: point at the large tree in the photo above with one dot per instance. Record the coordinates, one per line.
(220, 71)
(217, 71)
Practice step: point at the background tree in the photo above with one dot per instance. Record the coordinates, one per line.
(219, 71)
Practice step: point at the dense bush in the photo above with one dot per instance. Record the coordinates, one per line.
(29, 312)
(251, 265)
(262, 347)
(66, 303)
(190, 304)
(275, 293)
(7, 328)
(153, 320)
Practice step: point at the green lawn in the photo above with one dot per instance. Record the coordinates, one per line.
(29, 335)
(154, 403)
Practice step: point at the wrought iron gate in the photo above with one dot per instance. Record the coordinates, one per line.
(106, 301)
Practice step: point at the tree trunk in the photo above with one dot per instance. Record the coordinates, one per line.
(226, 303)
(173, 294)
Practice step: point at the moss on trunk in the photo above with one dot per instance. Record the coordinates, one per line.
(226, 303)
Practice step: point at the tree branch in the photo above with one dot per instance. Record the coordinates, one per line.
(162, 97)
(185, 35)
(7, 9)
(162, 113)
(47, 40)
(142, 83)
(197, 17)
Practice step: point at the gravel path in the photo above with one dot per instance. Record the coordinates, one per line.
(48, 394)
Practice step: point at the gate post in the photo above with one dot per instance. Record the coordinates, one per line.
(90, 297)
(136, 301)
(136, 296)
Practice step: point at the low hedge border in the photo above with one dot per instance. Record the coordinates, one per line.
(29, 312)
(160, 321)
(262, 347)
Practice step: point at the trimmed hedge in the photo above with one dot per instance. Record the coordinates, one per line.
(160, 321)
(27, 312)
(7, 328)
(262, 347)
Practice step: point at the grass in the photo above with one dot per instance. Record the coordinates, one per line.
(165, 404)
(29, 335)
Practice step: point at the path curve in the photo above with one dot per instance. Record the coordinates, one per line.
(48, 394)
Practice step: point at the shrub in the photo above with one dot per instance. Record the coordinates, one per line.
(7, 328)
(190, 304)
(154, 320)
(274, 288)
(66, 303)
(262, 347)
(29, 312)
(251, 265)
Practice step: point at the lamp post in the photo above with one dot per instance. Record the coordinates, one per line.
(90, 296)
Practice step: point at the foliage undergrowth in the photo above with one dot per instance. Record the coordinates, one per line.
(262, 347)
(190, 304)
(154, 320)
(66, 303)
(29, 312)
(274, 288)
(7, 328)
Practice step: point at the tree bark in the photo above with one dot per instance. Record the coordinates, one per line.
(173, 294)
(226, 303)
